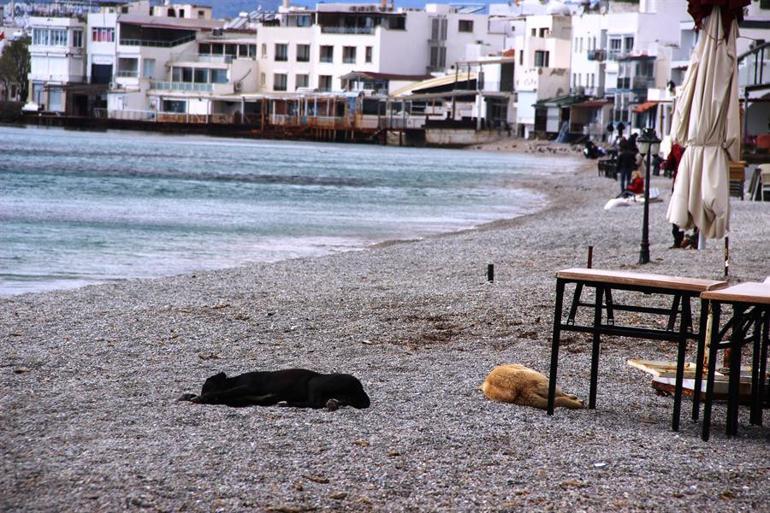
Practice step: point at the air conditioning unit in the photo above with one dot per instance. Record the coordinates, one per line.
(217, 32)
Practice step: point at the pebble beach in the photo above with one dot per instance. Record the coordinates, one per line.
(89, 379)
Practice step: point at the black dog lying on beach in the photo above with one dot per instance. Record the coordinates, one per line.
(300, 388)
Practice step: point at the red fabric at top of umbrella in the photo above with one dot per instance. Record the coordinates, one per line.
(731, 10)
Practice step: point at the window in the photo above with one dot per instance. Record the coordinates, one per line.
(368, 54)
(301, 81)
(303, 53)
(327, 53)
(50, 37)
(465, 26)
(262, 79)
(40, 36)
(204, 49)
(438, 57)
(128, 67)
(253, 51)
(264, 50)
(349, 54)
(201, 76)
(544, 32)
(615, 46)
(279, 82)
(629, 43)
(55, 100)
(764, 4)
(534, 32)
(187, 75)
(219, 76)
(175, 106)
(521, 57)
(325, 82)
(77, 38)
(148, 68)
(103, 35)
(201, 14)
(231, 50)
(243, 51)
(281, 52)
(541, 59)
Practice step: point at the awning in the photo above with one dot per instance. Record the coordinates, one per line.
(644, 107)
(592, 104)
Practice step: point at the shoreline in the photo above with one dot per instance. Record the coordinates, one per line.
(90, 376)
(533, 198)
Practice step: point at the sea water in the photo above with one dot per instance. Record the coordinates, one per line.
(80, 207)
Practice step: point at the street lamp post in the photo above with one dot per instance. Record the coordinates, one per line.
(649, 144)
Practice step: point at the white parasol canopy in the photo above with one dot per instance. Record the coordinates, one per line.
(707, 123)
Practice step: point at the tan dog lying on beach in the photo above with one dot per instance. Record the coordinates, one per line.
(514, 383)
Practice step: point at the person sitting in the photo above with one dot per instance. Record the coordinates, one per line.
(635, 186)
(637, 183)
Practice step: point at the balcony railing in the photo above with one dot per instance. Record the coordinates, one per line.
(181, 86)
(127, 74)
(347, 30)
(156, 43)
(597, 55)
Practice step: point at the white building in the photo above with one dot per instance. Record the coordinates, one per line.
(58, 59)
(543, 59)
(315, 48)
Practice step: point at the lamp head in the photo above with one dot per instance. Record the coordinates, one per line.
(648, 142)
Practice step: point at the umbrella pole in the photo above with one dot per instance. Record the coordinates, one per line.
(727, 256)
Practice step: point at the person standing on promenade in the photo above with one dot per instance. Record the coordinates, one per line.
(626, 163)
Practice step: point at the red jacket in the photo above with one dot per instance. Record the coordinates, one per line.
(636, 186)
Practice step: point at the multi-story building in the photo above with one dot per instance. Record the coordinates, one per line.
(622, 49)
(58, 59)
(543, 53)
(314, 49)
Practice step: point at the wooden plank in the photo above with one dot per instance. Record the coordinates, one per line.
(641, 279)
(749, 292)
(661, 368)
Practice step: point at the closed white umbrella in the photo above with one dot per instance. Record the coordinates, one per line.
(707, 123)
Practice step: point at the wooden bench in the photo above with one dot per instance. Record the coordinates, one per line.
(750, 303)
(604, 282)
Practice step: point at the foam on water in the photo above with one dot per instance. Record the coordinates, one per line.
(84, 207)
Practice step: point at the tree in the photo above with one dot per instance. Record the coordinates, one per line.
(14, 66)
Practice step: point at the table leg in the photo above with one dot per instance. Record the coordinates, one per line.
(763, 361)
(705, 307)
(716, 309)
(683, 325)
(756, 338)
(733, 394)
(595, 348)
(555, 344)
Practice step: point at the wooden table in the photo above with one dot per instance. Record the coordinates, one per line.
(750, 302)
(604, 282)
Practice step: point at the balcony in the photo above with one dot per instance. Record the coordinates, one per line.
(597, 55)
(348, 30)
(157, 43)
(181, 86)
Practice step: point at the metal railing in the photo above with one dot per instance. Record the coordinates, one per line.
(754, 67)
(127, 74)
(156, 43)
(597, 55)
(181, 86)
(347, 30)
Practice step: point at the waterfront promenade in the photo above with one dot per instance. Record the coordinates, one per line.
(89, 421)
